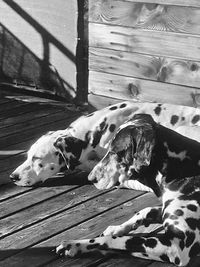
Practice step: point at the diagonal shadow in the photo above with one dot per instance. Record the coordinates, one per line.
(18, 61)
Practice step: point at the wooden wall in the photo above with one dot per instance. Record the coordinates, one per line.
(145, 50)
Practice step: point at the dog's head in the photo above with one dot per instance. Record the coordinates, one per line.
(43, 162)
(130, 150)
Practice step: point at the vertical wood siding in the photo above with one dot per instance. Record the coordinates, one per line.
(145, 50)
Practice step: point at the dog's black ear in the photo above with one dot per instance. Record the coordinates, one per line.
(144, 137)
(70, 148)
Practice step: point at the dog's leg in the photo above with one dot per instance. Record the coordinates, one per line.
(144, 217)
(160, 247)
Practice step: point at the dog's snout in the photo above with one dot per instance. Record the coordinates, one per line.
(14, 177)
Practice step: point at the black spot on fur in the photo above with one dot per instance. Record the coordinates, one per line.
(112, 128)
(173, 217)
(177, 261)
(135, 244)
(181, 244)
(178, 212)
(182, 118)
(151, 242)
(192, 223)
(193, 67)
(174, 119)
(78, 244)
(68, 247)
(164, 240)
(123, 105)
(158, 109)
(195, 249)
(56, 153)
(164, 258)
(100, 130)
(192, 207)
(103, 247)
(92, 241)
(172, 231)
(73, 162)
(190, 237)
(113, 108)
(93, 246)
(195, 119)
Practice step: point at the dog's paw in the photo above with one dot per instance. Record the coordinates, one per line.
(70, 249)
(115, 230)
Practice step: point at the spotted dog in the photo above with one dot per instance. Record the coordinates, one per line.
(169, 164)
(86, 140)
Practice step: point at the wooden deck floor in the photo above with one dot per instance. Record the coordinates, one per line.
(34, 220)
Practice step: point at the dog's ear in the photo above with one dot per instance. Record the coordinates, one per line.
(144, 137)
(70, 148)
(135, 141)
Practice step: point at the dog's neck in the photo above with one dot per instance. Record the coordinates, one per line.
(174, 157)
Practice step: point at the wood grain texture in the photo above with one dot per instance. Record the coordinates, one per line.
(146, 15)
(145, 41)
(193, 3)
(128, 88)
(136, 65)
(90, 228)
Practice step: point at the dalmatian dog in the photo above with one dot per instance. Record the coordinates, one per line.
(169, 164)
(84, 143)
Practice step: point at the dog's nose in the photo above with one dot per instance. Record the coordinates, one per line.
(14, 177)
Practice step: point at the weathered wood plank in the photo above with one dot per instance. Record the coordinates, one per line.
(4, 108)
(145, 41)
(33, 123)
(192, 3)
(104, 201)
(136, 65)
(18, 140)
(20, 109)
(128, 88)
(38, 212)
(27, 117)
(10, 190)
(33, 197)
(90, 228)
(145, 15)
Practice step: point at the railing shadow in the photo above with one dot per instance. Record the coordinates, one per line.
(18, 62)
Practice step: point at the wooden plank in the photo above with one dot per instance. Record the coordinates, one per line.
(145, 15)
(33, 114)
(11, 106)
(145, 41)
(26, 107)
(90, 228)
(80, 208)
(192, 3)
(136, 65)
(16, 221)
(126, 261)
(10, 190)
(33, 197)
(128, 88)
(33, 123)
(15, 141)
